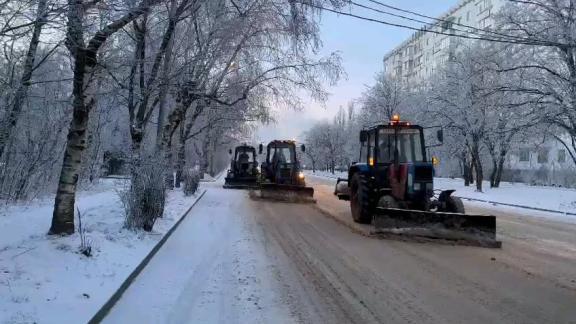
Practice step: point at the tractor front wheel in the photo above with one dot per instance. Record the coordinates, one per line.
(361, 200)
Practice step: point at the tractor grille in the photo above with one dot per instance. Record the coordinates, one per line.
(285, 173)
(423, 173)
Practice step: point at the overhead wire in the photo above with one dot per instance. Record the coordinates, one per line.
(476, 31)
(438, 32)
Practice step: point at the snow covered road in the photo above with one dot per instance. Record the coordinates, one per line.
(236, 260)
(213, 269)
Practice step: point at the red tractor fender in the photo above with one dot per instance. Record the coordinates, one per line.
(398, 175)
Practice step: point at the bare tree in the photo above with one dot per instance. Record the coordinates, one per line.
(85, 61)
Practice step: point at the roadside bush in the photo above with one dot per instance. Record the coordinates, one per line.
(144, 200)
(191, 181)
(85, 243)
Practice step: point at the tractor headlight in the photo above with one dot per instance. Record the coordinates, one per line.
(301, 175)
(417, 186)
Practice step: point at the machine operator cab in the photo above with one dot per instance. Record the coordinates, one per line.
(282, 165)
(394, 156)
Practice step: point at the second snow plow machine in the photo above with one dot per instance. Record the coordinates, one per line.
(392, 187)
(243, 173)
(282, 178)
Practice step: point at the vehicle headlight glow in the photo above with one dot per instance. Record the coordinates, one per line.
(300, 175)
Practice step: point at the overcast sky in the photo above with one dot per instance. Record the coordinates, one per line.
(362, 45)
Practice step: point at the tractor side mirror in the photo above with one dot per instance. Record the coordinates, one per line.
(440, 135)
(260, 148)
(303, 148)
(363, 136)
(230, 151)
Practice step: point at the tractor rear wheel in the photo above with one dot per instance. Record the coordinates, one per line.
(361, 200)
(454, 205)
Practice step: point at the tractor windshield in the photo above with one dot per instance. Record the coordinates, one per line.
(281, 155)
(409, 145)
(245, 155)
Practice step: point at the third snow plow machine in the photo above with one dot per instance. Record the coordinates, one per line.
(282, 177)
(243, 173)
(392, 187)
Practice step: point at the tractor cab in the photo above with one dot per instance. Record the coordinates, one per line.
(282, 165)
(243, 172)
(394, 155)
(245, 159)
(393, 160)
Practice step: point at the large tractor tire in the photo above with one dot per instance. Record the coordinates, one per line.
(455, 205)
(362, 201)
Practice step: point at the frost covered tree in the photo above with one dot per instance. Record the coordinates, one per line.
(549, 72)
(383, 99)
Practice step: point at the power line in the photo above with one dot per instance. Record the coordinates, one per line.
(478, 31)
(482, 38)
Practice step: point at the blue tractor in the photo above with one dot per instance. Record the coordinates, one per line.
(392, 187)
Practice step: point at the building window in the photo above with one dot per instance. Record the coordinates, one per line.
(561, 156)
(524, 155)
(543, 156)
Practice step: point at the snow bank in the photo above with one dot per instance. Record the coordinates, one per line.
(552, 198)
(44, 279)
(326, 174)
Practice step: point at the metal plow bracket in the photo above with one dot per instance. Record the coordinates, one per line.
(476, 229)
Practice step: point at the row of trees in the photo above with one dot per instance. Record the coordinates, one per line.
(488, 96)
(166, 82)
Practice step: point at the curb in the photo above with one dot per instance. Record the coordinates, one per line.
(105, 309)
(519, 206)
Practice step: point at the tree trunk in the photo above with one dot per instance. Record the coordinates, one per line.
(83, 101)
(9, 122)
(164, 87)
(477, 164)
(466, 171)
(501, 161)
(180, 156)
(493, 173)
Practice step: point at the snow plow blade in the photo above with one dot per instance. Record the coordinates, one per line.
(287, 193)
(479, 230)
(239, 183)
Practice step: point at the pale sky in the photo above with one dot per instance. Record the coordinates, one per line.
(362, 46)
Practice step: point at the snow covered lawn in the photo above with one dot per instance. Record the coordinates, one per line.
(551, 198)
(45, 280)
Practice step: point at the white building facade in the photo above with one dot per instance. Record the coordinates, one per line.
(417, 58)
(541, 160)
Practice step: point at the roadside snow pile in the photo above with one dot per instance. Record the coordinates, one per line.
(326, 174)
(45, 279)
(552, 198)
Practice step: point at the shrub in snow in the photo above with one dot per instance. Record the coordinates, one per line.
(191, 179)
(85, 244)
(144, 200)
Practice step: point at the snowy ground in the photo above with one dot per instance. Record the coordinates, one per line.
(44, 279)
(213, 269)
(552, 198)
